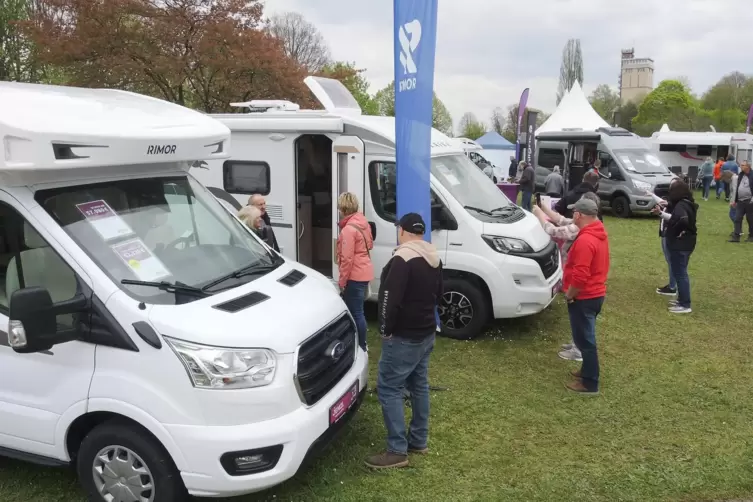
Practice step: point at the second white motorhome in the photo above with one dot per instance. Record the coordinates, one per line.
(498, 261)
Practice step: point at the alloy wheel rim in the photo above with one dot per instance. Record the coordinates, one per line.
(455, 310)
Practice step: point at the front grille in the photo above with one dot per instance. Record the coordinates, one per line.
(547, 258)
(319, 367)
(662, 190)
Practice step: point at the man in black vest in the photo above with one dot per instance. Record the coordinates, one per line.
(267, 232)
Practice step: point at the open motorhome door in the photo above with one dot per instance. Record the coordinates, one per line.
(348, 175)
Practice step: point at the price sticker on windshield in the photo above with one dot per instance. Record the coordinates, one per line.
(104, 220)
(140, 260)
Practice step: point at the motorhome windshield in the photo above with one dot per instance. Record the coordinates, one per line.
(168, 230)
(640, 161)
(467, 183)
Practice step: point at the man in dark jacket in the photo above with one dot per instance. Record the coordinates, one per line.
(681, 233)
(513, 170)
(267, 233)
(527, 186)
(589, 184)
(411, 285)
(742, 201)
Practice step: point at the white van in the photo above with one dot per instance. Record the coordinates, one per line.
(498, 261)
(147, 336)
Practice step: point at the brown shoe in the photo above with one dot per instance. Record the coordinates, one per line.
(576, 373)
(387, 460)
(418, 451)
(577, 386)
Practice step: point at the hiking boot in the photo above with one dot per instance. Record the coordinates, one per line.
(418, 451)
(577, 386)
(571, 355)
(387, 460)
(576, 373)
(666, 291)
(679, 309)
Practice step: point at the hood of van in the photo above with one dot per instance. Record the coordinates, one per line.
(654, 179)
(264, 313)
(528, 229)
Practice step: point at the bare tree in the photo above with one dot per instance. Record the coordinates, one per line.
(498, 120)
(300, 40)
(571, 68)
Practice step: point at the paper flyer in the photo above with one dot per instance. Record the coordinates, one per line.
(105, 221)
(137, 256)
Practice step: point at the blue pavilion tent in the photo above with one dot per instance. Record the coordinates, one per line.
(494, 141)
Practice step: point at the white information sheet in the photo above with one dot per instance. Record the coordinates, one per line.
(137, 256)
(104, 220)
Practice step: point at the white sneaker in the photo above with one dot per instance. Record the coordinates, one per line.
(567, 346)
(679, 309)
(571, 355)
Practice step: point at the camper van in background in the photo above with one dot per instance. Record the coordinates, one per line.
(498, 261)
(483, 158)
(685, 152)
(629, 169)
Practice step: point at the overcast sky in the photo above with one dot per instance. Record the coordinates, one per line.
(488, 51)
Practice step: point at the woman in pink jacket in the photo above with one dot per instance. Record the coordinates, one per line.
(354, 246)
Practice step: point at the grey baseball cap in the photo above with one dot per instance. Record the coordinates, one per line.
(585, 206)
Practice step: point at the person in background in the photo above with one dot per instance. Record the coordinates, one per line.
(513, 170)
(267, 232)
(730, 169)
(563, 231)
(554, 185)
(742, 202)
(589, 184)
(411, 286)
(707, 174)
(681, 233)
(354, 265)
(251, 217)
(718, 177)
(584, 282)
(597, 166)
(527, 186)
(671, 287)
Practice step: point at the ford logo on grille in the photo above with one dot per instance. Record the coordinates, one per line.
(336, 350)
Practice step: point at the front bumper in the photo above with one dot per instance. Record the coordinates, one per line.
(526, 291)
(640, 203)
(303, 434)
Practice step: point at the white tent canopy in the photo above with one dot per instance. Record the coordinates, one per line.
(574, 113)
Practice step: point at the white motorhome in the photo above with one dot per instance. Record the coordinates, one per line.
(146, 333)
(498, 261)
(685, 152)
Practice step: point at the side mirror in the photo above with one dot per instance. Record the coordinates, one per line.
(372, 226)
(32, 326)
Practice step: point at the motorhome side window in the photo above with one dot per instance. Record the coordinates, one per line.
(550, 157)
(383, 182)
(246, 177)
(27, 259)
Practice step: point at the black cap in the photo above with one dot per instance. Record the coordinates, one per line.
(412, 223)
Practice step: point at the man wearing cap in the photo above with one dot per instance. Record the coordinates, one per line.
(584, 283)
(411, 285)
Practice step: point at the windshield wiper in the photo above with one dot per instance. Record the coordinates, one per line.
(505, 209)
(170, 287)
(253, 269)
(482, 211)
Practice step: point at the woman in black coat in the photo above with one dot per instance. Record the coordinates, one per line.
(681, 233)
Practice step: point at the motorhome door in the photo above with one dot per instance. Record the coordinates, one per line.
(347, 176)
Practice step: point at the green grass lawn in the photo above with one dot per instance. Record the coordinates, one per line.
(674, 420)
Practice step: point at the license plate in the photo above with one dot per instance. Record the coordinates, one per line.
(345, 403)
(556, 288)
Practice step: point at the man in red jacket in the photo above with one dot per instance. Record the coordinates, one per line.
(584, 283)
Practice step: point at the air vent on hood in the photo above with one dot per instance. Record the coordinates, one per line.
(242, 302)
(292, 278)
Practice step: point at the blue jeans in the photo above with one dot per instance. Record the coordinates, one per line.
(583, 315)
(525, 200)
(732, 213)
(354, 296)
(680, 261)
(719, 188)
(405, 364)
(672, 283)
(707, 186)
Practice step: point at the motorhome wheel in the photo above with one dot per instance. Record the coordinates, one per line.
(463, 310)
(118, 462)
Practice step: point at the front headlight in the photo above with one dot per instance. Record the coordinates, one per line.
(506, 244)
(643, 186)
(221, 368)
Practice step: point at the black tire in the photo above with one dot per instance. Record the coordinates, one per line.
(467, 299)
(165, 478)
(621, 207)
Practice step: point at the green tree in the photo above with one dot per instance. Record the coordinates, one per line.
(19, 58)
(733, 91)
(605, 101)
(355, 81)
(625, 115)
(471, 127)
(571, 68)
(498, 121)
(441, 118)
(510, 129)
(670, 103)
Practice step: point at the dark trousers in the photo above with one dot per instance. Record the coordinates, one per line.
(679, 263)
(583, 314)
(354, 296)
(525, 200)
(744, 209)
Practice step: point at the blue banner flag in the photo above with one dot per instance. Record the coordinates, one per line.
(415, 40)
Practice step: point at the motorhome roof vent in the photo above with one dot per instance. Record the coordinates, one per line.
(614, 131)
(265, 105)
